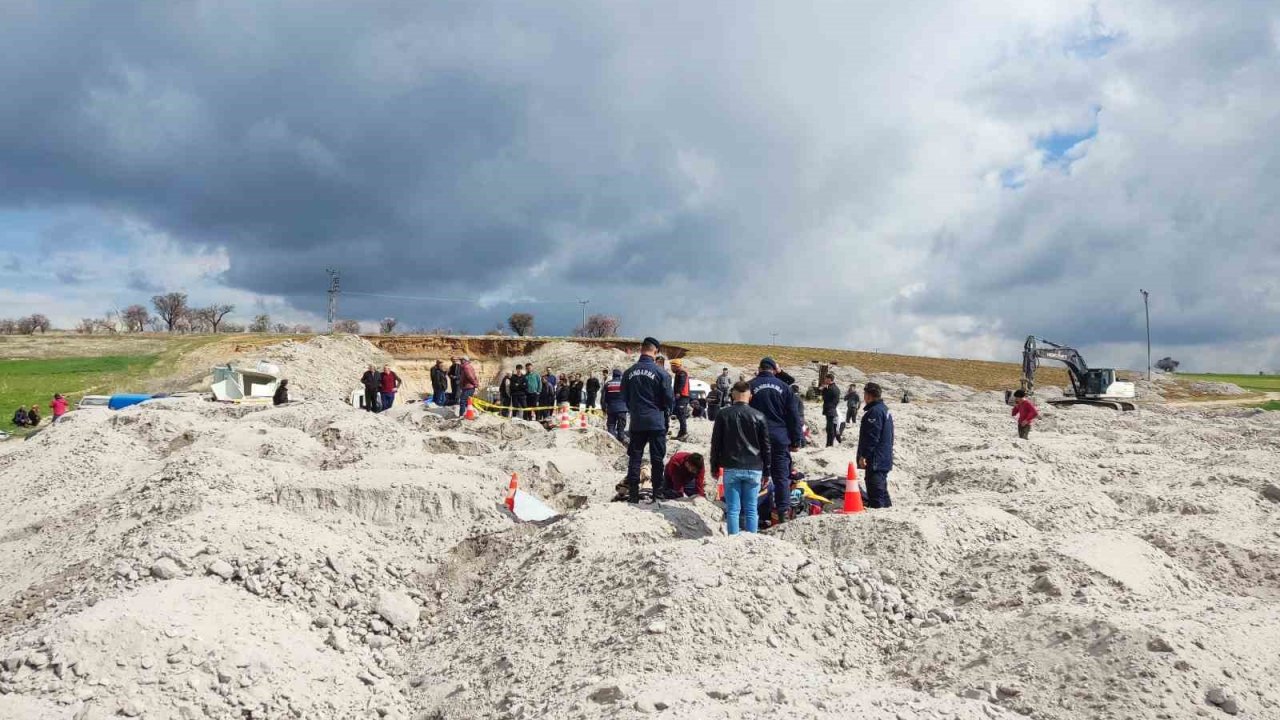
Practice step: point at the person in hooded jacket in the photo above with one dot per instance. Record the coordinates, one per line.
(774, 399)
(615, 406)
(647, 388)
(281, 396)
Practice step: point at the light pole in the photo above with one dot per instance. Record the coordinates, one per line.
(583, 303)
(1146, 306)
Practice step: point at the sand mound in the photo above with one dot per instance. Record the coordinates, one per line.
(187, 559)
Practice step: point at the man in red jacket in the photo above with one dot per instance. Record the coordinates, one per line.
(686, 475)
(1025, 412)
(389, 383)
(467, 384)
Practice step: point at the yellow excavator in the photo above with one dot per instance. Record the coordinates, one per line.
(1089, 386)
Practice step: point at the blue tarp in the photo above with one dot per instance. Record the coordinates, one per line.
(124, 401)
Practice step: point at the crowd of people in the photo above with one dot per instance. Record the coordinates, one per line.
(25, 417)
(753, 437)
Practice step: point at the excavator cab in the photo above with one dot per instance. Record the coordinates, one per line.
(1090, 386)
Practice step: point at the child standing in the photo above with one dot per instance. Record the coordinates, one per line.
(739, 446)
(1026, 413)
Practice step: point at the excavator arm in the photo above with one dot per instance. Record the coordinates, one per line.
(1036, 349)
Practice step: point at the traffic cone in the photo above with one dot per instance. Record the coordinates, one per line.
(511, 492)
(471, 410)
(582, 421)
(852, 498)
(720, 484)
(564, 417)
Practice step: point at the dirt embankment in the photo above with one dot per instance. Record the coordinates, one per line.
(433, 347)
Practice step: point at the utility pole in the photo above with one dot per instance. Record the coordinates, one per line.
(583, 303)
(775, 338)
(1146, 306)
(334, 290)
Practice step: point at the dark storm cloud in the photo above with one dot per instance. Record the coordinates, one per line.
(710, 168)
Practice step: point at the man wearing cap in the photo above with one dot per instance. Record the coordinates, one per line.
(680, 383)
(774, 399)
(875, 446)
(647, 389)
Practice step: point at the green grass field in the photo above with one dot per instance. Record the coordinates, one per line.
(1261, 383)
(30, 382)
(1272, 405)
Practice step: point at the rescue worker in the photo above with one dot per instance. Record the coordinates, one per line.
(647, 389)
(774, 399)
(686, 475)
(875, 447)
(615, 406)
(680, 385)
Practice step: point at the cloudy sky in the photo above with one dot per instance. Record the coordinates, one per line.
(929, 177)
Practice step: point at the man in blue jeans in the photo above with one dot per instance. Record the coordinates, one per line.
(875, 446)
(647, 389)
(739, 446)
(772, 396)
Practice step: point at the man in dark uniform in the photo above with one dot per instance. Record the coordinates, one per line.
(774, 399)
(647, 388)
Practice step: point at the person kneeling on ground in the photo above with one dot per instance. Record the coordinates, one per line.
(33, 416)
(875, 446)
(282, 393)
(1026, 413)
(740, 446)
(686, 475)
(20, 417)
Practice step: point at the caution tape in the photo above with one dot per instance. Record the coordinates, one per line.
(486, 406)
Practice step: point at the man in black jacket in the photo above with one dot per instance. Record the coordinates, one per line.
(439, 383)
(831, 407)
(740, 447)
(455, 380)
(593, 389)
(518, 386)
(372, 382)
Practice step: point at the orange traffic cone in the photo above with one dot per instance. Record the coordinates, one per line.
(564, 417)
(852, 498)
(582, 421)
(471, 410)
(511, 492)
(720, 484)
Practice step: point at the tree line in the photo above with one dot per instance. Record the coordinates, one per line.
(172, 312)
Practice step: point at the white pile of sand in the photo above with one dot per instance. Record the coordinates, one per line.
(326, 366)
(185, 559)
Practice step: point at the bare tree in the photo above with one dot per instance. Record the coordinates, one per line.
(347, 326)
(8, 326)
(230, 327)
(41, 323)
(1167, 364)
(387, 326)
(213, 314)
(261, 323)
(171, 307)
(155, 324)
(87, 326)
(303, 330)
(109, 322)
(521, 324)
(135, 318)
(598, 326)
